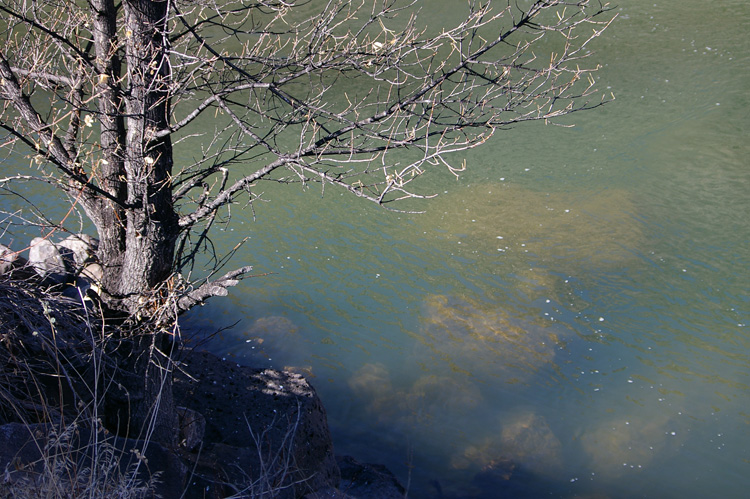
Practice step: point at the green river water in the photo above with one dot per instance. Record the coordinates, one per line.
(576, 304)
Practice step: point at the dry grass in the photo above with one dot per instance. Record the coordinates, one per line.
(277, 474)
(51, 353)
(54, 372)
(69, 468)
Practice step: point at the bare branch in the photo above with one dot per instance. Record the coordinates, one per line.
(217, 287)
(362, 96)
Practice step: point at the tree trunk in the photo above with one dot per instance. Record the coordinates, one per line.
(107, 215)
(138, 240)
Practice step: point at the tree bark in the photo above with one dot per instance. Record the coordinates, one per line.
(152, 228)
(109, 217)
(137, 243)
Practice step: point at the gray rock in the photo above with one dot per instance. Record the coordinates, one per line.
(7, 257)
(260, 424)
(81, 248)
(90, 278)
(93, 272)
(46, 260)
(9, 260)
(192, 428)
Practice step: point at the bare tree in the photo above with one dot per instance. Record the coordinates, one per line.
(355, 95)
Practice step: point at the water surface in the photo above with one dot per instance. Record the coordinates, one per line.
(567, 319)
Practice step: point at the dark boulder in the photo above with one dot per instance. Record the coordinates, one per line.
(264, 428)
(367, 481)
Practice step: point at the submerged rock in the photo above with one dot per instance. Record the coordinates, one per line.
(428, 399)
(529, 440)
(443, 393)
(265, 341)
(469, 336)
(372, 381)
(272, 325)
(574, 229)
(368, 481)
(626, 444)
(493, 475)
(523, 441)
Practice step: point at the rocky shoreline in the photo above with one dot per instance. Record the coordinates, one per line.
(236, 424)
(254, 414)
(241, 432)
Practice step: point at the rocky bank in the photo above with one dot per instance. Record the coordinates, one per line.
(242, 432)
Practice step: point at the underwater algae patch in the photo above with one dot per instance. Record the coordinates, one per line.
(412, 405)
(480, 340)
(564, 230)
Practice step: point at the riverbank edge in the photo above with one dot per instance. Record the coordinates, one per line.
(241, 432)
(244, 432)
